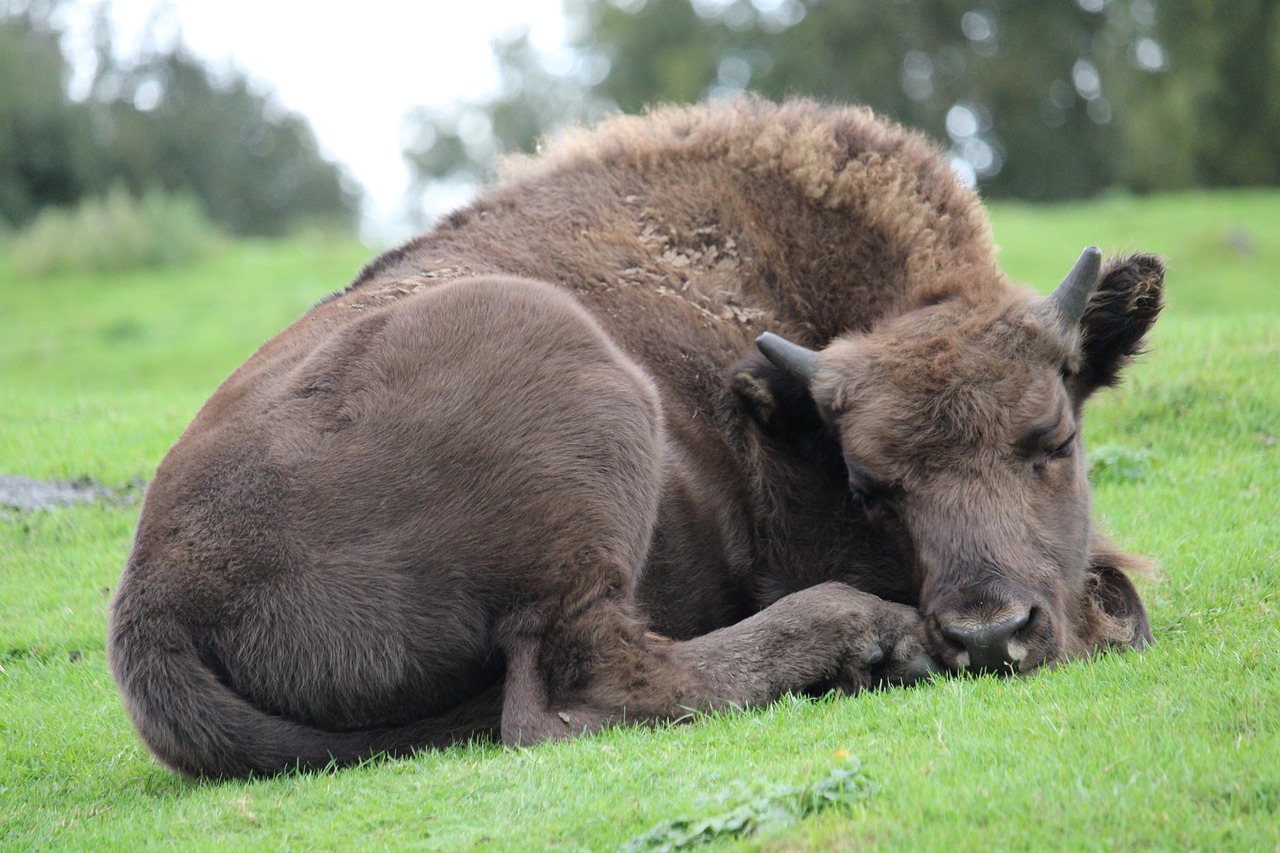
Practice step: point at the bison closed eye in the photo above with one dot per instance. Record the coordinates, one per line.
(530, 475)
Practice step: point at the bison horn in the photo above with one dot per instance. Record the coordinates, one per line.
(794, 359)
(1071, 297)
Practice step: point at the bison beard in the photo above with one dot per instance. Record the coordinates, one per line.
(527, 477)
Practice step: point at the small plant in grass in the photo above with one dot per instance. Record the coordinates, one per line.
(115, 233)
(774, 808)
(1113, 463)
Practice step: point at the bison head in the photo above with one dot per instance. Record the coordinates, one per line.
(960, 428)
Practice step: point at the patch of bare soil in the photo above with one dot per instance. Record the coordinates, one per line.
(25, 494)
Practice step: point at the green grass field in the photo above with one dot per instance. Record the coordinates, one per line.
(1177, 747)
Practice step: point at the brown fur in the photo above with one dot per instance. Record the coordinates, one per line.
(524, 477)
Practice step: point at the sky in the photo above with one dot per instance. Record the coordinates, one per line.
(355, 69)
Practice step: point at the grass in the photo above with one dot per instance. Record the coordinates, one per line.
(1177, 747)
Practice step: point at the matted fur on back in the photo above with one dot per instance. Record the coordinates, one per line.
(734, 216)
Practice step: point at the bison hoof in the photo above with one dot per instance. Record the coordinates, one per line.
(907, 664)
(892, 654)
(919, 668)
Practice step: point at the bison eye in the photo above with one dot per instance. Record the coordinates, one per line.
(1063, 450)
(872, 504)
(860, 486)
(869, 498)
(862, 499)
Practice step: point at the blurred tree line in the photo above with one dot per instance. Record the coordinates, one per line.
(160, 120)
(1036, 99)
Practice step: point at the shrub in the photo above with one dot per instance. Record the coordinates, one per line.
(114, 233)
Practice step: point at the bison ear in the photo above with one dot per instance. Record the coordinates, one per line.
(1119, 314)
(776, 399)
(1114, 614)
(748, 380)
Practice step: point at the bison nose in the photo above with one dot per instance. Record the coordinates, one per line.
(990, 646)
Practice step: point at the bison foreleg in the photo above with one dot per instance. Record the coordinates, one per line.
(603, 669)
(828, 636)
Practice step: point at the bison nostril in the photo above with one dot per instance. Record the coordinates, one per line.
(989, 646)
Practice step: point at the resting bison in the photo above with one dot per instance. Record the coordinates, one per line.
(527, 476)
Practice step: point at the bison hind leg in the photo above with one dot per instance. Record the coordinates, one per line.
(528, 715)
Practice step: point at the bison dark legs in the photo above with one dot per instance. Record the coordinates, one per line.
(828, 636)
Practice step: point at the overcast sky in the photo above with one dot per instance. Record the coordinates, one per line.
(354, 69)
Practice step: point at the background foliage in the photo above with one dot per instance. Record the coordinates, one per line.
(1036, 100)
(1041, 100)
(114, 233)
(160, 120)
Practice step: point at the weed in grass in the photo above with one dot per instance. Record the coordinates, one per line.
(764, 812)
(1115, 463)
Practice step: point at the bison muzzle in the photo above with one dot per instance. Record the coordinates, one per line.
(530, 475)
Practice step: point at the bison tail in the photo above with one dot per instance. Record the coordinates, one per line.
(197, 725)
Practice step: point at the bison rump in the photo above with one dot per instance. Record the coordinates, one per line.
(336, 541)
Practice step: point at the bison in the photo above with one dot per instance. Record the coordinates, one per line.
(528, 476)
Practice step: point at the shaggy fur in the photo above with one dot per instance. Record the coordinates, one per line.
(527, 477)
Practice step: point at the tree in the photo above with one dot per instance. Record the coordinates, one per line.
(256, 167)
(46, 141)
(161, 120)
(460, 144)
(1014, 86)
(1214, 119)
(1038, 100)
